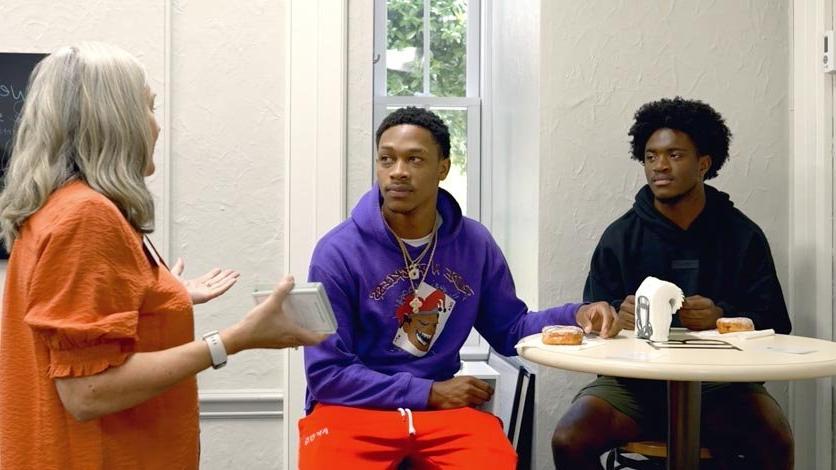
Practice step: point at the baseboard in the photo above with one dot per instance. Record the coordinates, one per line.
(241, 404)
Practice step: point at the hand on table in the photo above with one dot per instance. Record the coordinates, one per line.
(699, 313)
(627, 313)
(600, 317)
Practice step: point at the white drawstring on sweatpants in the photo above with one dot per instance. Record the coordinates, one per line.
(408, 413)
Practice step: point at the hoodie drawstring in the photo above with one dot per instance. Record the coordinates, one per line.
(408, 413)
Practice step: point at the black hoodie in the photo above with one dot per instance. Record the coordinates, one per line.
(723, 256)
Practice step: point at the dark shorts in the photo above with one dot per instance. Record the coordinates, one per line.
(646, 401)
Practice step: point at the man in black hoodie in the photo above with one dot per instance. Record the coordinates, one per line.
(686, 232)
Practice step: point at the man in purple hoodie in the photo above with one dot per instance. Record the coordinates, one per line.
(408, 277)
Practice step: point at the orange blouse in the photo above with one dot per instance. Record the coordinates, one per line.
(82, 296)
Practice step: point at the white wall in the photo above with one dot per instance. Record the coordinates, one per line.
(512, 140)
(360, 136)
(598, 62)
(218, 69)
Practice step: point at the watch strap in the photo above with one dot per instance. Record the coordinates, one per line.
(216, 348)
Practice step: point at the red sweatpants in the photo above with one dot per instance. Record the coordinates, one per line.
(357, 438)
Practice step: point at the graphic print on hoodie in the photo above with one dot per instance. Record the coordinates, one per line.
(418, 331)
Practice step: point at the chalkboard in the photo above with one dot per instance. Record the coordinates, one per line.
(15, 69)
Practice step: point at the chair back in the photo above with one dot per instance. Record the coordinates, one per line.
(521, 426)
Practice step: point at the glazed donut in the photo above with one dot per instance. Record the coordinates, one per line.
(559, 334)
(730, 325)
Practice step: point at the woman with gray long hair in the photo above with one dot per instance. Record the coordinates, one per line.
(97, 354)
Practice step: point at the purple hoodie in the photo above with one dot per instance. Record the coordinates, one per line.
(386, 356)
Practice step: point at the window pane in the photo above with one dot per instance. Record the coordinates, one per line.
(404, 47)
(448, 46)
(456, 182)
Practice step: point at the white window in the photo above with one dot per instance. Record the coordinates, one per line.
(427, 54)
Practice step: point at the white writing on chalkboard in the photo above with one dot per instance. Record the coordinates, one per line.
(9, 90)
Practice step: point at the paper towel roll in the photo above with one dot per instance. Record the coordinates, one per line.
(656, 302)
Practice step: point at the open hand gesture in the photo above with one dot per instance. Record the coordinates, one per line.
(205, 288)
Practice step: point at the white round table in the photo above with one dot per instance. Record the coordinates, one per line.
(684, 363)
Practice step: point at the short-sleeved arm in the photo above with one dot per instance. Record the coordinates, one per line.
(86, 289)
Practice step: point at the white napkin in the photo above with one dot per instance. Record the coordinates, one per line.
(535, 341)
(714, 334)
(656, 302)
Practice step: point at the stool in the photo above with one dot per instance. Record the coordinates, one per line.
(655, 451)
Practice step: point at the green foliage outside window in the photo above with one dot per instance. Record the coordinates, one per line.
(448, 34)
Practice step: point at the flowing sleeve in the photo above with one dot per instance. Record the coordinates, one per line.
(86, 290)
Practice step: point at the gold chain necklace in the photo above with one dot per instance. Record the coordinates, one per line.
(412, 266)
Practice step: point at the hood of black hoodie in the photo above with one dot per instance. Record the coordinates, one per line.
(716, 202)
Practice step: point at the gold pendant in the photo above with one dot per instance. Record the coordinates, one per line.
(415, 303)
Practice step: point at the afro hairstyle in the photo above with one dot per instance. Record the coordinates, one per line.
(705, 126)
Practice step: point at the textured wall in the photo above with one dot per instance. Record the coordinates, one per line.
(600, 61)
(227, 142)
(360, 134)
(251, 444)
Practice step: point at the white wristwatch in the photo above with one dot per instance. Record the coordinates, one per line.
(216, 349)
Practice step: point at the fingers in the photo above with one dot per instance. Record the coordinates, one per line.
(697, 302)
(584, 319)
(628, 305)
(480, 384)
(478, 391)
(221, 278)
(221, 288)
(480, 395)
(608, 319)
(611, 326)
(693, 313)
(626, 320)
(309, 338)
(178, 267)
(210, 275)
(281, 290)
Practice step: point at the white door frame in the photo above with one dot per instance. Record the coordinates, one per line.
(811, 226)
(315, 128)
